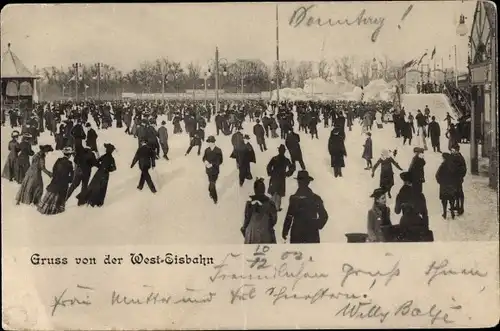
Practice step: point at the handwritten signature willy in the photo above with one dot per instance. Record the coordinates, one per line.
(367, 309)
(349, 271)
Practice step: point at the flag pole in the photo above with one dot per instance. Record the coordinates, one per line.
(278, 69)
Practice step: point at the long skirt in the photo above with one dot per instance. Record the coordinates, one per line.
(9, 168)
(95, 194)
(21, 167)
(52, 203)
(31, 189)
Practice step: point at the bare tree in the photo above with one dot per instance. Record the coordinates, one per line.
(194, 71)
(324, 69)
(365, 72)
(303, 71)
(344, 65)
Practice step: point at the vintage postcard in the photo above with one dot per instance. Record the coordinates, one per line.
(249, 165)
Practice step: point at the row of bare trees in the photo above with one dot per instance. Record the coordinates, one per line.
(238, 76)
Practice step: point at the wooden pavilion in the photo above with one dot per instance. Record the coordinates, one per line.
(17, 82)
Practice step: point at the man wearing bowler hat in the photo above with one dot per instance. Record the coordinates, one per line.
(213, 160)
(306, 213)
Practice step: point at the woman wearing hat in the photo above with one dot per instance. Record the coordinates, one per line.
(23, 158)
(337, 151)
(260, 217)
(368, 151)
(379, 216)
(95, 194)
(31, 189)
(386, 173)
(54, 200)
(9, 167)
(306, 213)
(407, 194)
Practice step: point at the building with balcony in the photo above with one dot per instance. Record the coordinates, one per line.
(483, 79)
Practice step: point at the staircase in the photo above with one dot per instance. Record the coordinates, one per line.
(457, 109)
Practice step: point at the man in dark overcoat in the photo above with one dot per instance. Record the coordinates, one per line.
(292, 143)
(278, 169)
(435, 134)
(146, 158)
(306, 213)
(260, 134)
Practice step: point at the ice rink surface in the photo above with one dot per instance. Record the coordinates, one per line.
(182, 212)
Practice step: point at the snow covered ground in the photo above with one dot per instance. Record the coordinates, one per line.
(182, 213)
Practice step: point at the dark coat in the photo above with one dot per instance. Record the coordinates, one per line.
(407, 194)
(337, 150)
(260, 218)
(62, 176)
(448, 179)
(237, 141)
(278, 169)
(258, 131)
(386, 172)
(306, 215)
(151, 135)
(292, 143)
(215, 158)
(146, 157)
(434, 132)
(85, 160)
(416, 170)
(163, 135)
(92, 139)
(460, 165)
(98, 186)
(406, 130)
(78, 132)
(368, 149)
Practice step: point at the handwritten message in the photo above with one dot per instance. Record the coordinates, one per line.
(306, 16)
(270, 279)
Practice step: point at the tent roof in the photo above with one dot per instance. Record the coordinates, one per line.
(12, 67)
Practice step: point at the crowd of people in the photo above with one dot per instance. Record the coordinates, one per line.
(75, 137)
(430, 87)
(460, 98)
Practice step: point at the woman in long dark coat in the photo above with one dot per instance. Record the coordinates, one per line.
(10, 165)
(337, 151)
(96, 191)
(386, 172)
(368, 151)
(447, 178)
(54, 200)
(260, 217)
(31, 189)
(23, 158)
(60, 138)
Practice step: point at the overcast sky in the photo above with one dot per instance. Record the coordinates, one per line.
(123, 35)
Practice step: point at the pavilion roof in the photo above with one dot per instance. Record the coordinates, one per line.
(12, 67)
